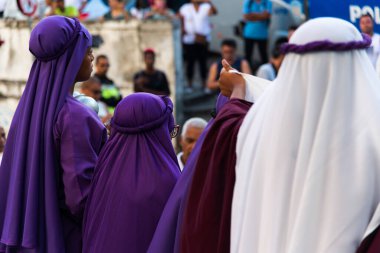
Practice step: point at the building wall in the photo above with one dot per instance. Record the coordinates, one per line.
(124, 44)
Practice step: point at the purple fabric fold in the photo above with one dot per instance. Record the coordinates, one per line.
(134, 178)
(30, 214)
(167, 235)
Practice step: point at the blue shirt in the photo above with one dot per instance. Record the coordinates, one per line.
(256, 29)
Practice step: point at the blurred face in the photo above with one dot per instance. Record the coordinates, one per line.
(113, 4)
(228, 53)
(188, 141)
(149, 60)
(94, 90)
(60, 4)
(102, 66)
(86, 67)
(366, 25)
(3, 139)
(161, 4)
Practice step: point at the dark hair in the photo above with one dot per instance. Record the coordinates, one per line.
(141, 4)
(99, 57)
(276, 52)
(367, 15)
(229, 43)
(293, 28)
(280, 41)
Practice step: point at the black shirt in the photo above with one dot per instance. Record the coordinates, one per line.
(155, 82)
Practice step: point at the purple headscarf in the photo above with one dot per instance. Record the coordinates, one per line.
(29, 210)
(167, 236)
(134, 177)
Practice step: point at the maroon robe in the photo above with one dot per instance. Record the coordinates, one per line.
(207, 220)
(371, 243)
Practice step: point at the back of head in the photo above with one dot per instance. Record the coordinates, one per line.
(143, 112)
(54, 35)
(59, 45)
(193, 122)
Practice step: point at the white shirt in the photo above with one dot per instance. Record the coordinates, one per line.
(374, 51)
(267, 72)
(75, 3)
(1, 157)
(180, 163)
(196, 22)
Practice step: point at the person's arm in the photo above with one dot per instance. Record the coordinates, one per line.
(80, 138)
(262, 16)
(212, 83)
(245, 68)
(213, 10)
(165, 84)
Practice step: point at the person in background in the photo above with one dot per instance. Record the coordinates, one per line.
(93, 88)
(191, 131)
(3, 140)
(228, 52)
(52, 147)
(269, 70)
(136, 173)
(117, 11)
(257, 15)
(291, 30)
(366, 26)
(140, 10)
(150, 79)
(159, 11)
(110, 93)
(59, 8)
(196, 29)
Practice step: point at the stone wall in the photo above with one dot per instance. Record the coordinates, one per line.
(123, 43)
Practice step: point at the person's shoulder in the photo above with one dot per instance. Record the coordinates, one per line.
(184, 8)
(75, 109)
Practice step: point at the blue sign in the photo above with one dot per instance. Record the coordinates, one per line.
(349, 10)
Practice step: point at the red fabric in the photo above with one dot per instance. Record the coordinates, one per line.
(371, 243)
(207, 220)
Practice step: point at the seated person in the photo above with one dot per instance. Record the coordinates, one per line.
(117, 11)
(269, 70)
(228, 52)
(58, 8)
(140, 10)
(150, 79)
(159, 11)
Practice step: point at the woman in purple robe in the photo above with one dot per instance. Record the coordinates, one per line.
(135, 174)
(52, 147)
(168, 233)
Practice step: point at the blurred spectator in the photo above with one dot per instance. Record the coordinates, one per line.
(191, 131)
(196, 29)
(93, 88)
(58, 7)
(257, 16)
(291, 30)
(150, 79)
(269, 70)
(366, 26)
(3, 139)
(117, 11)
(228, 52)
(110, 93)
(160, 11)
(140, 10)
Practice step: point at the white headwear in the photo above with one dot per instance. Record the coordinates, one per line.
(308, 152)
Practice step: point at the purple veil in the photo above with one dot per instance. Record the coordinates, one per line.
(29, 208)
(167, 236)
(134, 177)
